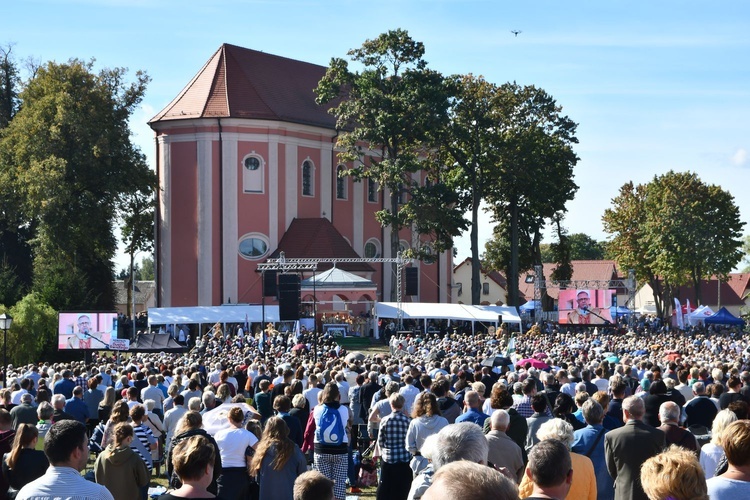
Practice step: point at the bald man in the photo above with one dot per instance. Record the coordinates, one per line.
(503, 451)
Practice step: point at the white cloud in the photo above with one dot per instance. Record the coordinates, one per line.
(739, 158)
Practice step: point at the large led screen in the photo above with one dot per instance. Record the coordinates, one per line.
(585, 307)
(85, 330)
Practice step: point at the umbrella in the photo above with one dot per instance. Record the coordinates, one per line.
(534, 362)
(354, 356)
(540, 356)
(496, 361)
(613, 359)
(672, 356)
(299, 347)
(640, 352)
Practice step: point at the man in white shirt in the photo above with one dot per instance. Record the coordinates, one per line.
(67, 449)
(410, 393)
(311, 393)
(153, 392)
(172, 417)
(343, 386)
(215, 376)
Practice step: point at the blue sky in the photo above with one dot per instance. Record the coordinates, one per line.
(653, 86)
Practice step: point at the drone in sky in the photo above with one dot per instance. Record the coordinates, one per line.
(516, 32)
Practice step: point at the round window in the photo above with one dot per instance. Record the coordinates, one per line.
(252, 163)
(253, 248)
(371, 250)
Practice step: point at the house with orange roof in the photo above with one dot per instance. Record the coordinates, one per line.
(733, 294)
(494, 286)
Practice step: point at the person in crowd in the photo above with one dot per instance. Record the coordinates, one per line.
(191, 425)
(283, 405)
(669, 416)
(563, 408)
(300, 410)
(461, 441)
(144, 443)
(732, 394)
(44, 412)
(627, 448)
(395, 474)
(503, 451)
(24, 413)
(711, 452)
(76, 406)
(66, 448)
(657, 395)
(120, 413)
(550, 471)
(313, 485)
(277, 462)
(93, 396)
(172, 417)
(154, 393)
(674, 473)
(426, 420)
(24, 463)
(104, 408)
(473, 411)
(331, 438)
(536, 420)
(263, 401)
(583, 486)
(589, 442)
(120, 469)
(449, 407)
(235, 446)
(735, 482)
(465, 480)
(193, 461)
(58, 403)
(700, 410)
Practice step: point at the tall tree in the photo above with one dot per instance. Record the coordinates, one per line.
(561, 251)
(10, 83)
(584, 247)
(388, 114)
(536, 179)
(137, 231)
(67, 154)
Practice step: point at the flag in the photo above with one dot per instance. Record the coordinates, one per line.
(262, 343)
(687, 320)
(678, 313)
(511, 348)
(247, 325)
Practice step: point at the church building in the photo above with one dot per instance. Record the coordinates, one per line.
(247, 168)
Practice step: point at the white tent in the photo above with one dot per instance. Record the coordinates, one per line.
(212, 314)
(698, 315)
(454, 312)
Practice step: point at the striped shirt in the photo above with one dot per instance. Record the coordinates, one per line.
(63, 483)
(142, 441)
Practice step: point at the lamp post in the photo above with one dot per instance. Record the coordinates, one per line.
(5, 322)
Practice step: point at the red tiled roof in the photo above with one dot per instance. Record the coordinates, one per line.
(582, 270)
(318, 238)
(732, 292)
(244, 83)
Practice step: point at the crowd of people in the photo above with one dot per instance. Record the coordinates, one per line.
(647, 413)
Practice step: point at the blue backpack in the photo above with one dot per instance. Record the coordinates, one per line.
(331, 429)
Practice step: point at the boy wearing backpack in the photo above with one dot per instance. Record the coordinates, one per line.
(332, 426)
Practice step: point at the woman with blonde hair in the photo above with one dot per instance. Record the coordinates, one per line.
(711, 452)
(120, 468)
(426, 421)
(24, 463)
(278, 461)
(193, 462)
(735, 482)
(105, 405)
(675, 474)
(584, 479)
(120, 413)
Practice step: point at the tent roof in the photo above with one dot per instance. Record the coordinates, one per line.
(423, 310)
(337, 278)
(155, 343)
(723, 317)
(212, 314)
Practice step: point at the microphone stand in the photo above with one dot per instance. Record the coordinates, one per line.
(97, 339)
(606, 321)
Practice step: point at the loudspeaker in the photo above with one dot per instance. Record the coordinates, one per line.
(289, 297)
(269, 284)
(412, 281)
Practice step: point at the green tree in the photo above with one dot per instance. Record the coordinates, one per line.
(584, 247)
(148, 272)
(67, 154)
(33, 333)
(746, 252)
(561, 252)
(536, 179)
(137, 232)
(388, 114)
(10, 82)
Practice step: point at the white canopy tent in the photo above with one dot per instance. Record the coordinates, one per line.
(453, 312)
(212, 314)
(697, 316)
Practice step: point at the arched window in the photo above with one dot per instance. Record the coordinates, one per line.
(308, 176)
(253, 169)
(253, 246)
(372, 249)
(340, 183)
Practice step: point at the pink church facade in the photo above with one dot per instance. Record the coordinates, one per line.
(243, 152)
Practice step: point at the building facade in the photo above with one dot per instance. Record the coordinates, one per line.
(243, 151)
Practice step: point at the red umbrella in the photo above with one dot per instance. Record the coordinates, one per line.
(534, 362)
(541, 356)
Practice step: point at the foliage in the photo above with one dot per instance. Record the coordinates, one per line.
(746, 252)
(673, 231)
(147, 269)
(67, 159)
(536, 178)
(561, 252)
(388, 114)
(33, 332)
(10, 81)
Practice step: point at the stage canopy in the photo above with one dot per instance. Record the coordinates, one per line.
(454, 312)
(212, 314)
(723, 317)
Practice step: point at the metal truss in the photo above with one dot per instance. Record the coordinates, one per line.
(311, 264)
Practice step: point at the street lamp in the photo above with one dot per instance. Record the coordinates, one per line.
(5, 322)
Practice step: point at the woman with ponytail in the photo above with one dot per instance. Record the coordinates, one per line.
(24, 463)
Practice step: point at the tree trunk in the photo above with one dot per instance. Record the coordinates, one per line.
(476, 284)
(395, 247)
(129, 286)
(513, 278)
